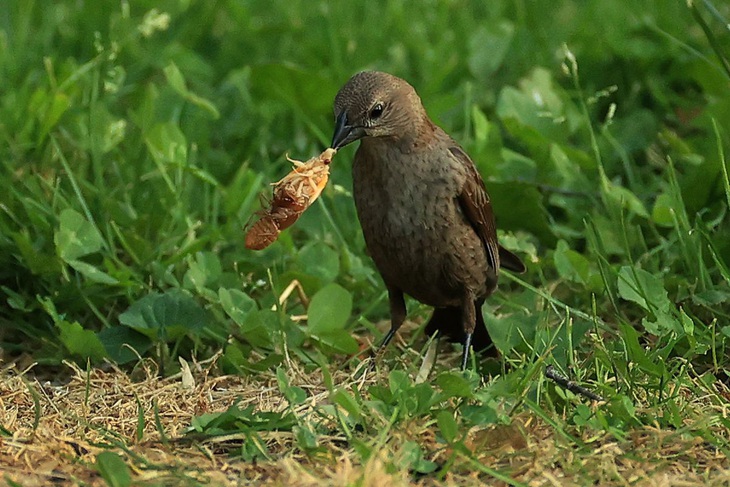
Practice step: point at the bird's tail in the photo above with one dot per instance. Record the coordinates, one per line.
(448, 322)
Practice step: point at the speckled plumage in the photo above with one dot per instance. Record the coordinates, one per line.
(415, 232)
(422, 205)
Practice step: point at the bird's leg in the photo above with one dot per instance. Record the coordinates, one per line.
(465, 354)
(397, 315)
(469, 317)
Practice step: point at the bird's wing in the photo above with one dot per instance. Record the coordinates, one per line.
(477, 208)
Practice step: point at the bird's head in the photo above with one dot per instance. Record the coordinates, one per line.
(375, 104)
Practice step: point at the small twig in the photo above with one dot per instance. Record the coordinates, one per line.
(295, 285)
(568, 384)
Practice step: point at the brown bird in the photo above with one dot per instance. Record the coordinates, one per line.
(423, 207)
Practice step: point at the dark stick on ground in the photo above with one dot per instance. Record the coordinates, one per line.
(568, 384)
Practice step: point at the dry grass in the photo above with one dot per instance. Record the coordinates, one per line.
(73, 429)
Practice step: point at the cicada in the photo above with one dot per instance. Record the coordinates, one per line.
(292, 195)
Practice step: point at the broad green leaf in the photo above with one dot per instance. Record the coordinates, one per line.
(447, 425)
(123, 344)
(687, 324)
(203, 271)
(175, 78)
(663, 323)
(662, 213)
(165, 316)
(306, 437)
(454, 385)
(113, 470)
(58, 105)
(513, 331)
(239, 359)
(340, 341)
(177, 82)
(399, 382)
(76, 236)
(347, 402)
(644, 289)
(570, 264)
(38, 262)
(329, 309)
(512, 201)
(167, 144)
(567, 169)
(514, 167)
(411, 456)
(93, 273)
(483, 60)
(481, 124)
(107, 132)
(236, 420)
(327, 316)
(293, 394)
(536, 105)
(78, 341)
(236, 304)
(259, 327)
(637, 353)
(624, 198)
(319, 260)
(480, 413)
(15, 300)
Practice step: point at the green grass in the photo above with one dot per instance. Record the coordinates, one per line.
(136, 139)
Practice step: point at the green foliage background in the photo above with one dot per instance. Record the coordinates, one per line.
(136, 138)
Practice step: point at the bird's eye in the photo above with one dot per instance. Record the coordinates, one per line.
(376, 111)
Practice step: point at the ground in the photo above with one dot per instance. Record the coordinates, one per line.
(59, 429)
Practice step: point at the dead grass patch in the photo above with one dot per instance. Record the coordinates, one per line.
(100, 410)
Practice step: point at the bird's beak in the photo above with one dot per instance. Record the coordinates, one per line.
(345, 133)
